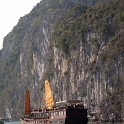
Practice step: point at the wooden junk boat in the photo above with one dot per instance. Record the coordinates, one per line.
(65, 112)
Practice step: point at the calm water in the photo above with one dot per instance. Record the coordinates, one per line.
(12, 122)
(105, 123)
(88, 123)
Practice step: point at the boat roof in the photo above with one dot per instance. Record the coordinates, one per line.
(70, 101)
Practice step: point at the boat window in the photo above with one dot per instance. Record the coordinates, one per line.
(61, 113)
(64, 112)
(54, 113)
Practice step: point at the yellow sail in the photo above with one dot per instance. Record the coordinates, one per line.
(27, 102)
(48, 96)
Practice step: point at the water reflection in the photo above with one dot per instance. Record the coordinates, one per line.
(12, 122)
(105, 123)
(88, 123)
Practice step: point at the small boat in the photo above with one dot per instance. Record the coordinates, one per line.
(63, 112)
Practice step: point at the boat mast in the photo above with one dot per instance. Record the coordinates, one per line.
(27, 102)
(49, 102)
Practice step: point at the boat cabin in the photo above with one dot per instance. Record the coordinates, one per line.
(70, 111)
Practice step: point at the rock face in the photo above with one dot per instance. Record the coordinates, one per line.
(86, 69)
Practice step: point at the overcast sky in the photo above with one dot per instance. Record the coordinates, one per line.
(10, 12)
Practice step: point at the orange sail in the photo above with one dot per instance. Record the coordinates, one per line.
(27, 102)
(48, 96)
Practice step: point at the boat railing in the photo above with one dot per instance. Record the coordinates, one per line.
(48, 113)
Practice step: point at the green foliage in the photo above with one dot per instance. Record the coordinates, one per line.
(106, 18)
(1, 122)
(113, 101)
(70, 29)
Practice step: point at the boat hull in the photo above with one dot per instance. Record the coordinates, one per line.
(76, 121)
(58, 121)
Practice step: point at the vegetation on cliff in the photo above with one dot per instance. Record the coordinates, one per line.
(106, 19)
(1, 122)
(76, 21)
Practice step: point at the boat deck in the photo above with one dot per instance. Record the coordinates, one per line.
(60, 116)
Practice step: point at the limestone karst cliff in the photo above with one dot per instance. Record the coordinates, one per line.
(77, 45)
